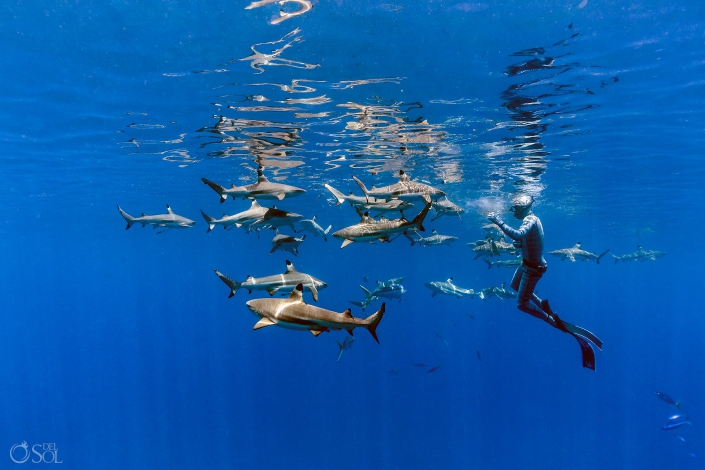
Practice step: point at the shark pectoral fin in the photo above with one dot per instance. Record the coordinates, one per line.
(281, 196)
(346, 242)
(427, 199)
(570, 257)
(314, 292)
(317, 332)
(272, 291)
(262, 323)
(350, 331)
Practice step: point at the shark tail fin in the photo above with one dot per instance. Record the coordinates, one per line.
(362, 186)
(128, 218)
(678, 405)
(325, 232)
(616, 259)
(411, 239)
(234, 285)
(217, 188)
(418, 220)
(340, 197)
(603, 254)
(340, 346)
(373, 320)
(210, 220)
(489, 263)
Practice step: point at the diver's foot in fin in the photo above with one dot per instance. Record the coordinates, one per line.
(559, 323)
(588, 354)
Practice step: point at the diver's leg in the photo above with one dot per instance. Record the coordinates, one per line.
(525, 293)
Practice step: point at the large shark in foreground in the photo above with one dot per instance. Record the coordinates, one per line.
(404, 189)
(577, 253)
(639, 255)
(283, 283)
(294, 314)
(168, 220)
(369, 229)
(262, 189)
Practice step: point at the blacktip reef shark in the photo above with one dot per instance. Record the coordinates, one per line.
(305, 6)
(294, 314)
(310, 225)
(577, 253)
(404, 189)
(380, 206)
(446, 207)
(285, 242)
(639, 255)
(274, 218)
(434, 239)
(448, 288)
(347, 344)
(510, 263)
(391, 289)
(282, 283)
(168, 220)
(245, 218)
(484, 248)
(262, 189)
(369, 229)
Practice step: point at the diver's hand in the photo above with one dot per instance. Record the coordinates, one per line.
(494, 217)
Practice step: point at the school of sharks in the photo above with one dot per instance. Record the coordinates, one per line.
(293, 312)
(380, 213)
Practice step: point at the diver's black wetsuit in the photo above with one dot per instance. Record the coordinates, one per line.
(529, 237)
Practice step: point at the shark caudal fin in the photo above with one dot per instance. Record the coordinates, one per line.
(210, 220)
(217, 188)
(489, 263)
(411, 239)
(340, 197)
(128, 218)
(341, 347)
(373, 320)
(325, 233)
(362, 186)
(234, 285)
(616, 259)
(418, 220)
(603, 254)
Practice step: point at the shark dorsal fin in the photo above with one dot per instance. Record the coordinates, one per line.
(434, 232)
(254, 204)
(143, 214)
(261, 178)
(577, 245)
(169, 209)
(347, 314)
(249, 278)
(450, 280)
(297, 293)
(403, 177)
(290, 267)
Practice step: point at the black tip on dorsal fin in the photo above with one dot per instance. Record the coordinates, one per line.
(367, 214)
(347, 313)
(401, 172)
(300, 287)
(288, 263)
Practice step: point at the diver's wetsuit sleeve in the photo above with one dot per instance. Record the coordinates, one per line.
(517, 234)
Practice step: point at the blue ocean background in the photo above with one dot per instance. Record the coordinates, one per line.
(123, 349)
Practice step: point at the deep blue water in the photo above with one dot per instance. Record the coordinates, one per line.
(122, 349)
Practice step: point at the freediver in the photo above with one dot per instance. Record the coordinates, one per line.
(529, 239)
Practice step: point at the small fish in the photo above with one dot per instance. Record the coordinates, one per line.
(479, 357)
(680, 438)
(695, 456)
(419, 364)
(668, 399)
(668, 427)
(433, 369)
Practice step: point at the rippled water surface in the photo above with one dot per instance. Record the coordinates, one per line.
(122, 348)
